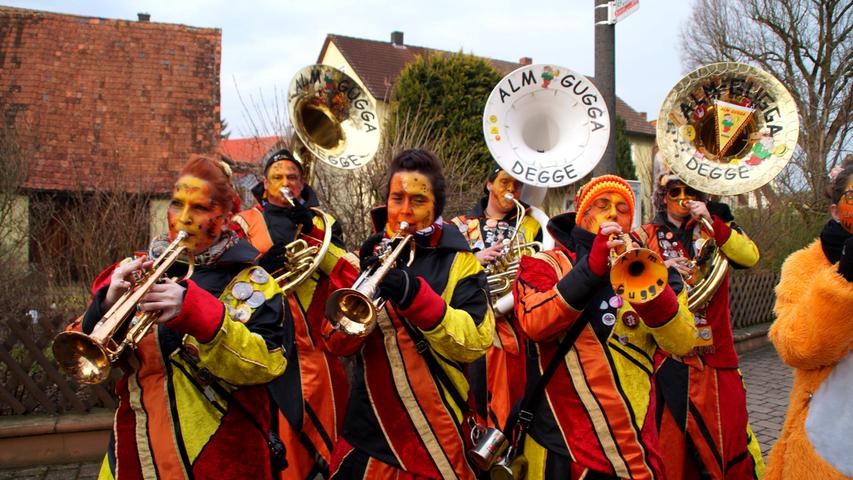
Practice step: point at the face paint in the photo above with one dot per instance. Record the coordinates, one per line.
(504, 183)
(193, 211)
(607, 207)
(283, 174)
(410, 199)
(844, 208)
(676, 194)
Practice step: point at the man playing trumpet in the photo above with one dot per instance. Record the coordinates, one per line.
(711, 425)
(312, 396)
(407, 415)
(593, 419)
(489, 228)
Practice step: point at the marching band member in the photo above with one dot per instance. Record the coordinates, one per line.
(491, 223)
(712, 424)
(407, 407)
(813, 333)
(596, 417)
(313, 391)
(192, 400)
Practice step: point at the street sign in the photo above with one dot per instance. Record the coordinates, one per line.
(620, 9)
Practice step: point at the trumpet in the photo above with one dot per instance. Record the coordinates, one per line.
(353, 310)
(89, 358)
(302, 259)
(638, 275)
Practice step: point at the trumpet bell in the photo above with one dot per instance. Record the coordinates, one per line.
(351, 311)
(82, 357)
(638, 275)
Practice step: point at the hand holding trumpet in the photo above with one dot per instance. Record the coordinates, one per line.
(165, 297)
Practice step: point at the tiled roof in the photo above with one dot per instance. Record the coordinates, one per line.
(248, 150)
(96, 99)
(378, 64)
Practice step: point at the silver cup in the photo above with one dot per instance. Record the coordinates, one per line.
(489, 444)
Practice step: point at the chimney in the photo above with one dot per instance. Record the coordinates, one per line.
(525, 61)
(143, 17)
(396, 38)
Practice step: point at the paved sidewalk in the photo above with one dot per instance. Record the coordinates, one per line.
(768, 383)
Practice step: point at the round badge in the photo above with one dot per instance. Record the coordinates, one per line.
(463, 229)
(608, 319)
(603, 305)
(669, 235)
(259, 275)
(241, 314)
(616, 301)
(242, 290)
(630, 319)
(491, 223)
(623, 339)
(705, 333)
(256, 300)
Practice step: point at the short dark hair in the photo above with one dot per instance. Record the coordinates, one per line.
(839, 184)
(426, 163)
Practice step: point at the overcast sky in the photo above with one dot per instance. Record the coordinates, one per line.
(264, 42)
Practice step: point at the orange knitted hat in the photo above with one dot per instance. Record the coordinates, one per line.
(603, 184)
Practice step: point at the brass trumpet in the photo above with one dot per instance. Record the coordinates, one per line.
(638, 275)
(302, 259)
(89, 358)
(353, 310)
(501, 272)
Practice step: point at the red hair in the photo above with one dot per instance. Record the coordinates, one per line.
(218, 174)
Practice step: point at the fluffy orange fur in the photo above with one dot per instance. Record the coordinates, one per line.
(813, 331)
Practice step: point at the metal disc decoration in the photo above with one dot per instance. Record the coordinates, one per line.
(333, 116)
(727, 128)
(546, 125)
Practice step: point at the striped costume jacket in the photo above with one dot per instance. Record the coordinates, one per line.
(595, 413)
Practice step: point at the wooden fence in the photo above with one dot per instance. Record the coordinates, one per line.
(30, 381)
(751, 296)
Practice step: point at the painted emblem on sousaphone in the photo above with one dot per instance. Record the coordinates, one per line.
(333, 116)
(546, 125)
(727, 128)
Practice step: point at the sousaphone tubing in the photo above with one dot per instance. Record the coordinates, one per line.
(727, 128)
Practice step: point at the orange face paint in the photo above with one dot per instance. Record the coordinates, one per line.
(504, 183)
(410, 199)
(192, 210)
(607, 207)
(283, 174)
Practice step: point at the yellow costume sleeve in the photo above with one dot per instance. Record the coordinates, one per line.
(740, 249)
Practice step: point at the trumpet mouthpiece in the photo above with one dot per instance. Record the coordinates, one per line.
(181, 235)
(404, 226)
(509, 196)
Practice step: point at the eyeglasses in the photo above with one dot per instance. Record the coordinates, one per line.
(682, 191)
(605, 204)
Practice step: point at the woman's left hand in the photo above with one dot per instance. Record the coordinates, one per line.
(167, 297)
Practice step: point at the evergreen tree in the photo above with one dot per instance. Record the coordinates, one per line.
(449, 92)
(624, 162)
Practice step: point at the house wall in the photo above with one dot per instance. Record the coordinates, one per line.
(157, 208)
(14, 231)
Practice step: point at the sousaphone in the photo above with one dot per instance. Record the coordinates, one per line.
(725, 129)
(546, 125)
(333, 116)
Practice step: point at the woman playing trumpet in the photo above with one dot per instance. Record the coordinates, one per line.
(406, 410)
(192, 402)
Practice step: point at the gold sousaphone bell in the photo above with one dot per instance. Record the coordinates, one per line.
(725, 129)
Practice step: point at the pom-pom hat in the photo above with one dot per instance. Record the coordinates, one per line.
(604, 184)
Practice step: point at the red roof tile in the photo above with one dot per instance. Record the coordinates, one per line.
(96, 99)
(378, 64)
(248, 150)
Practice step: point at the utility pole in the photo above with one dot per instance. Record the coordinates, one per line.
(605, 79)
